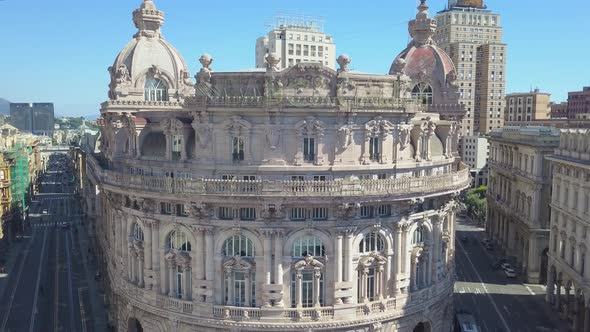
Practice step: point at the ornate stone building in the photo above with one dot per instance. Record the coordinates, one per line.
(299, 199)
(519, 185)
(567, 288)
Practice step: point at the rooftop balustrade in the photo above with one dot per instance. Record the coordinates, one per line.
(346, 187)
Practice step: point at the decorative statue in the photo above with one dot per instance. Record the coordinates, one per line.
(122, 75)
(343, 61)
(272, 62)
(345, 136)
(204, 75)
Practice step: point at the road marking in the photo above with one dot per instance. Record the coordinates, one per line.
(34, 310)
(477, 291)
(530, 290)
(56, 277)
(70, 291)
(18, 277)
(82, 309)
(483, 285)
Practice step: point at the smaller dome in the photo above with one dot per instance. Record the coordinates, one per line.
(429, 60)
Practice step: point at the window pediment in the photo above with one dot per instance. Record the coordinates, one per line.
(238, 263)
(373, 259)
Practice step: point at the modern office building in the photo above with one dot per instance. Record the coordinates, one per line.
(36, 118)
(578, 102)
(296, 39)
(527, 107)
(559, 110)
(322, 200)
(519, 187)
(476, 156)
(570, 222)
(472, 35)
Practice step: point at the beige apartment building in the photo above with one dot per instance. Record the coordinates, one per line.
(568, 287)
(527, 107)
(519, 189)
(472, 35)
(320, 200)
(297, 39)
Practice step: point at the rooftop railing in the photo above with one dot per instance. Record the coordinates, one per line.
(456, 180)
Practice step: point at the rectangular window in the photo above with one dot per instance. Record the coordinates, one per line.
(176, 147)
(247, 213)
(313, 50)
(384, 210)
(237, 149)
(181, 211)
(165, 208)
(290, 62)
(366, 211)
(226, 213)
(374, 149)
(298, 49)
(291, 49)
(309, 149)
(319, 213)
(297, 213)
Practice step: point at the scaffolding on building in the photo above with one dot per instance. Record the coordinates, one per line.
(296, 21)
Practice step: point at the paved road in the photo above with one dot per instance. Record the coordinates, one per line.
(48, 287)
(498, 303)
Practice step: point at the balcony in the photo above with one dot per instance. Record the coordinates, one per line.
(407, 304)
(400, 187)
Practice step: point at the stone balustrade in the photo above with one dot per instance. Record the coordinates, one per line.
(404, 304)
(404, 186)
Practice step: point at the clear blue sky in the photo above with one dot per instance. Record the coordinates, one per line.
(59, 51)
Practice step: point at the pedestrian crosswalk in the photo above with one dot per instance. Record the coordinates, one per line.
(48, 224)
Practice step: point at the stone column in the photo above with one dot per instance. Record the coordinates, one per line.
(567, 301)
(130, 261)
(316, 287)
(348, 269)
(140, 268)
(200, 255)
(209, 267)
(363, 285)
(414, 276)
(379, 285)
(267, 256)
(338, 260)
(428, 270)
(279, 263)
(171, 279)
(398, 258)
(168, 146)
(155, 245)
(183, 147)
(230, 287)
(248, 288)
(186, 290)
(550, 288)
(576, 314)
(148, 247)
(299, 290)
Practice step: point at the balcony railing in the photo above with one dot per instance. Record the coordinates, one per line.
(453, 181)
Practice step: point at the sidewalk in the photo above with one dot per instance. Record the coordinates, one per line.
(99, 315)
(14, 250)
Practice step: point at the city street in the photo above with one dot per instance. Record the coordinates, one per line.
(497, 302)
(47, 289)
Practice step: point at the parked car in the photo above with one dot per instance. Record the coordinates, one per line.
(505, 266)
(489, 246)
(510, 273)
(65, 225)
(44, 211)
(485, 240)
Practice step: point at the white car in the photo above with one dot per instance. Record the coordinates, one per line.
(506, 266)
(44, 211)
(510, 273)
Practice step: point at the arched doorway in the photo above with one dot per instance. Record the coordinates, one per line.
(133, 325)
(422, 327)
(544, 262)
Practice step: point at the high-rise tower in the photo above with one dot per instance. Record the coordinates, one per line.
(471, 34)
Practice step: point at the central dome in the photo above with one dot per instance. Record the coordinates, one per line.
(149, 59)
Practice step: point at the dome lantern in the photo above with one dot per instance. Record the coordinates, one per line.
(148, 20)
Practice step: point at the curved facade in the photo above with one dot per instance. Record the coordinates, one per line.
(297, 200)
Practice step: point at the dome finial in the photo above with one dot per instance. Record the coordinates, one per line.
(148, 19)
(423, 27)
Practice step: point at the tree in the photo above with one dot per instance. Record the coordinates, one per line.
(477, 204)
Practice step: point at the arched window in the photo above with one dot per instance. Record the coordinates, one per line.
(155, 90)
(178, 241)
(308, 246)
(371, 242)
(137, 232)
(238, 245)
(422, 92)
(418, 236)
